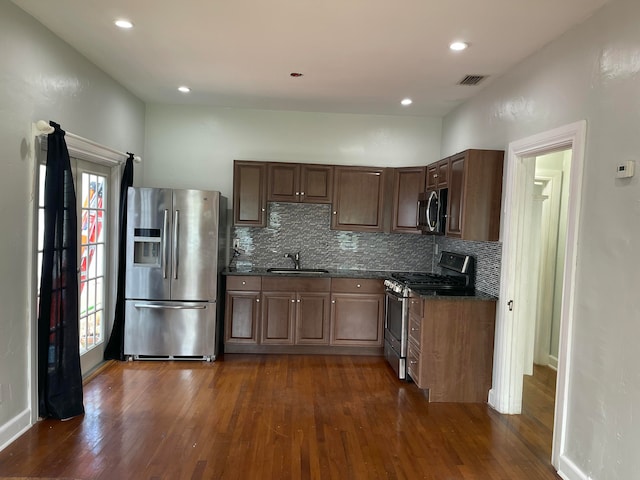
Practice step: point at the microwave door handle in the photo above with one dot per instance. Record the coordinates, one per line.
(428, 211)
(165, 235)
(418, 214)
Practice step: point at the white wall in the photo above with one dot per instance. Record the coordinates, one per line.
(591, 73)
(194, 147)
(41, 77)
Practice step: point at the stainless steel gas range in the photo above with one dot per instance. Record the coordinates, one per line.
(455, 277)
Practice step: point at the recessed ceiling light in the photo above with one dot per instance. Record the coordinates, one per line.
(457, 46)
(122, 23)
(184, 89)
(406, 101)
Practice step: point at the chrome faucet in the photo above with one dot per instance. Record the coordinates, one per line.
(296, 259)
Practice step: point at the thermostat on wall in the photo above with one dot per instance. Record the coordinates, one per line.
(625, 170)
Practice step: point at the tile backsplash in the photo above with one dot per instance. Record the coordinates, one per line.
(488, 258)
(293, 227)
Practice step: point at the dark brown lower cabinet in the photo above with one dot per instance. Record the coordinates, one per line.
(298, 315)
(357, 319)
(242, 310)
(312, 318)
(357, 312)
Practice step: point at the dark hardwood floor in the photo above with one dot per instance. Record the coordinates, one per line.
(279, 417)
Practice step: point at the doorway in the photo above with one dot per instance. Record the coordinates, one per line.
(524, 294)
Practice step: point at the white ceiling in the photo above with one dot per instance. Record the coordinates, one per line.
(357, 56)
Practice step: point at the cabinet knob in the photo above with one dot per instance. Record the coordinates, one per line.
(293, 301)
(301, 193)
(262, 209)
(258, 300)
(335, 213)
(333, 301)
(244, 283)
(298, 300)
(297, 193)
(435, 175)
(358, 286)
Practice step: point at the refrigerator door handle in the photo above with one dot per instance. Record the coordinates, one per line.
(170, 307)
(176, 247)
(165, 251)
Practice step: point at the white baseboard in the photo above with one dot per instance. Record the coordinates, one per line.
(492, 399)
(553, 362)
(14, 428)
(569, 471)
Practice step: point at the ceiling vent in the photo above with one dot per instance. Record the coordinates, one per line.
(472, 80)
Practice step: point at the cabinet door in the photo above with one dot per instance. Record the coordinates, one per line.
(357, 199)
(357, 319)
(407, 185)
(312, 319)
(455, 206)
(432, 176)
(249, 193)
(442, 175)
(284, 182)
(242, 317)
(316, 183)
(278, 313)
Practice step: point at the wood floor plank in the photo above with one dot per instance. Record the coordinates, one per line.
(282, 417)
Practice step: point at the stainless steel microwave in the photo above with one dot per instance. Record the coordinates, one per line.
(432, 212)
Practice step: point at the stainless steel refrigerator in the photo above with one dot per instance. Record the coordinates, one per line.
(173, 265)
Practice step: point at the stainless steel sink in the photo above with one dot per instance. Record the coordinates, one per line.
(299, 271)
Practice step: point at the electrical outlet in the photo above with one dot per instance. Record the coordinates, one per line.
(236, 243)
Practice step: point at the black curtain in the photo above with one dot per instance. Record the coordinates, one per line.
(59, 374)
(115, 347)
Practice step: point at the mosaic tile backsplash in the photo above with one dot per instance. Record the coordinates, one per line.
(293, 227)
(488, 259)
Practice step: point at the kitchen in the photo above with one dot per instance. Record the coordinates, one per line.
(601, 88)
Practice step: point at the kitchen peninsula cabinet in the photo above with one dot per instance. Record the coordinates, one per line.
(408, 183)
(475, 195)
(303, 183)
(357, 312)
(295, 311)
(242, 313)
(358, 197)
(249, 194)
(451, 347)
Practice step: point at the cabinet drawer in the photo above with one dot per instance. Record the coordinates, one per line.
(357, 285)
(415, 307)
(413, 365)
(414, 330)
(241, 282)
(295, 284)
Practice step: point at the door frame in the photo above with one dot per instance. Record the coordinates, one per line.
(506, 393)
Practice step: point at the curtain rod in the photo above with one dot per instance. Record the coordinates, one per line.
(43, 128)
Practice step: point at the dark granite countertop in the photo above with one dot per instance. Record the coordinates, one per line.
(337, 273)
(477, 295)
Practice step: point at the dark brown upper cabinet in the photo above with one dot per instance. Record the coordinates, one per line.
(358, 195)
(249, 193)
(475, 195)
(438, 175)
(305, 183)
(408, 182)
